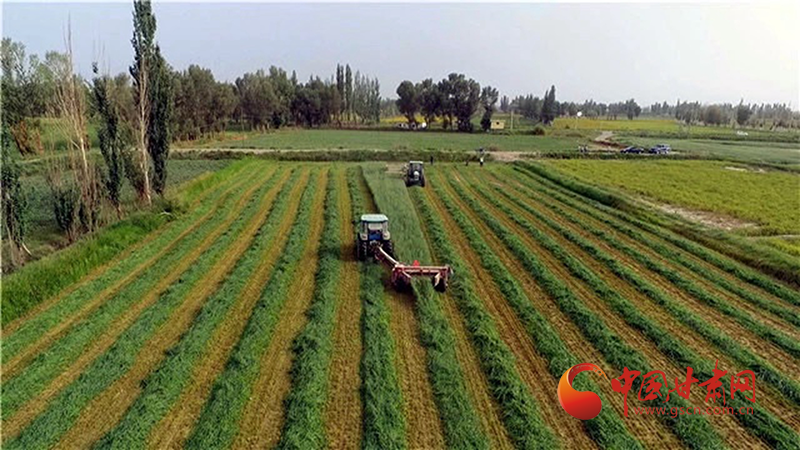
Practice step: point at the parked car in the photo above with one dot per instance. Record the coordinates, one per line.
(660, 149)
(633, 150)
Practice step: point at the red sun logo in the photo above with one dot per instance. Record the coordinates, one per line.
(582, 405)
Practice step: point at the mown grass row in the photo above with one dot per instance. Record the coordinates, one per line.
(304, 424)
(65, 408)
(765, 425)
(725, 343)
(669, 254)
(462, 426)
(32, 329)
(384, 422)
(520, 411)
(219, 421)
(694, 431)
(63, 352)
(608, 203)
(48, 276)
(163, 386)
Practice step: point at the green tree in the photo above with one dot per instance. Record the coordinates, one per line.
(549, 107)
(408, 101)
(348, 92)
(158, 125)
(743, 113)
(430, 100)
(488, 100)
(110, 135)
(143, 42)
(15, 205)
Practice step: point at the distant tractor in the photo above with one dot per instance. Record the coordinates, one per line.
(415, 174)
(373, 240)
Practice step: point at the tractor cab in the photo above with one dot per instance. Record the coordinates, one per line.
(415, 174)
(373, 230)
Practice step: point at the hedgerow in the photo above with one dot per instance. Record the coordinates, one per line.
(460, 420)
(694, 431)
(597, 198)
(766, 426)
(384, 422)
(164, 385)
(520, 412)
(763, 369)
(65, 408)
(219, 421)
(63, 352)
(304, 425)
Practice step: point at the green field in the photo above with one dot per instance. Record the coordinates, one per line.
(766, 197)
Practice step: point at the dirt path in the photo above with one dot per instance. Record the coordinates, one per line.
(36, 405)
(105, 410)
(262, 418)
(173, 430)
(343, 408)
(728, 427)
(531, 367)
(21, 360)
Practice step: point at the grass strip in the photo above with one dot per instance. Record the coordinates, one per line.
(44, 278)
(695, 431)
(49, 364)
(35, 330)
(164, 385)
(520, 411)
(304, 425)
(460, 419)
(595, 197)
(384, 423)
(65, 408)
(766, 426)
(669, 254)
(219, 421)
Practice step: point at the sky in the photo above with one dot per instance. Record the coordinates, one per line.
(710, 52)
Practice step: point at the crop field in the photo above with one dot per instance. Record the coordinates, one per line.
(247, 322)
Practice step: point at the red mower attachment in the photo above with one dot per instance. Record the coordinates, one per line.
(402, 274)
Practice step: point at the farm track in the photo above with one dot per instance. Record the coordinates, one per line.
(692, 257)
(343, 410)
(173, 430)
(27, 319)
(647, 429)
(530, 366)
(105, 410)
(262, 418)
(39, 335)
(67, 375)
(729, 428)
(711, 313)
(775, 402)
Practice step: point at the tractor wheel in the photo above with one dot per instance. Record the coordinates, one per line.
(422, 180)
(363, 250)
(388, 246)
(441, 286)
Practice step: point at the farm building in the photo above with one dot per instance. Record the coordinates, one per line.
(498, 125)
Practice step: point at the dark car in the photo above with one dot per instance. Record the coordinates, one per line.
(660, 149)
(633, 150)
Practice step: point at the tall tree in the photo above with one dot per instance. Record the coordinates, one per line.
(408, 101)
(143, 42)
(430, 100)
(110, 135)
(549, 107)
(158, 124)
(488, 100)
(348, 92)
(15, 205)
(743, 113)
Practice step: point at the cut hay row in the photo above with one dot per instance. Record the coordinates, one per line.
(520, 410)
(106, 410)
(41, 329)
(756, 299)
(218, 422)
(304, 426)
(343, 410)
(67, 406)
(165, 388)
(64, 361)
(601, 200)
(766, 426)
(384, 422)
(262, 418)
(459, 418)
(46, 282)
(694, 431)
(718, 338)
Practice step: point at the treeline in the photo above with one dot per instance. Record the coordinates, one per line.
(776, 115)
(454, 100)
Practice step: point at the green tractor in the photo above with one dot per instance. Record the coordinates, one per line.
(415, 174)
(373, 232)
